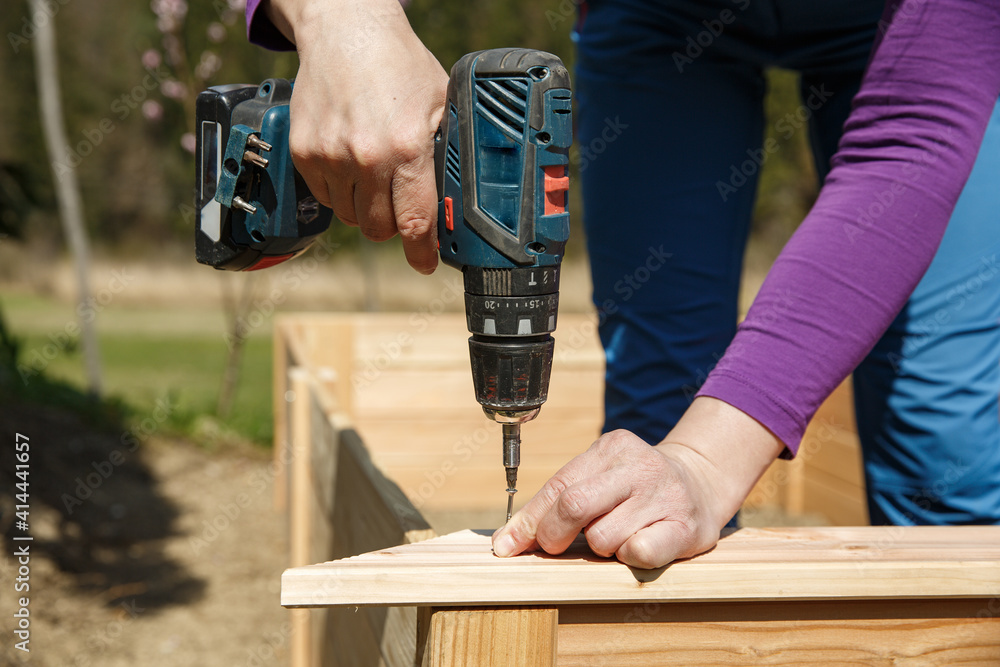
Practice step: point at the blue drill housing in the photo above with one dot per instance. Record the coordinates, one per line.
(498, 150)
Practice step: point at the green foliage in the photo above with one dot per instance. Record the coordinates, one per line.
(126, 119)
(170, 376)
(44, 389)
(125, 133)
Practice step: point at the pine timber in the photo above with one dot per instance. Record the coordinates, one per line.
(340, 504)
(834, 563)
(792, 633)
(506, 637)
(403, 381)
(364, 403)
(793, 596)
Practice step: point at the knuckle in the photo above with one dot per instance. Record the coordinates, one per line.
(367, 155)
(554, 488)
(411, 149)
(613, 442)
(640, 552)
(414, 229)
(574, 505)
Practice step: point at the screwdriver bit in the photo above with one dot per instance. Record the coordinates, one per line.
(511, 460)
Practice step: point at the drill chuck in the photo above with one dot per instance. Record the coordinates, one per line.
(511, 314)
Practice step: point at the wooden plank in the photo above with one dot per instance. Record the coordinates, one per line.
(370, 511)
(342, 505)
(300, 482)
(331, 352)
(839, 455)
(841, 504)
(838, 408)
(860, 632)
(279, 407)
(299, 500)
(459, 463)
(750, 563)
(519, 637)
(418, 390)
(779, 481)
(366, 511)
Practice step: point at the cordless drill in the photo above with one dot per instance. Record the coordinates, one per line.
(501, 160)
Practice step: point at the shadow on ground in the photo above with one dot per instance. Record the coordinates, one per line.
(94, 508)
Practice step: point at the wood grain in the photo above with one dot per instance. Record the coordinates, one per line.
(792, 633)
(519, 637)
(405, 380)
(749, 564)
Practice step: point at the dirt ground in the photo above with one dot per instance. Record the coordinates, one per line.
(186, 573)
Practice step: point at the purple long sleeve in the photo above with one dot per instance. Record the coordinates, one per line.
(906, 152)
(261, 31)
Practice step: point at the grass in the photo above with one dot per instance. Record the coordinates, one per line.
(145, 364)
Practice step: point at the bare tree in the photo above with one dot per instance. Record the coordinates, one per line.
(66, 185)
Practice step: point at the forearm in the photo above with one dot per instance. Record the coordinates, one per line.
(908, 147)
(282, 24)
(729, 449)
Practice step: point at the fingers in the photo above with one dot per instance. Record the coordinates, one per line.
(520, 533)
(363, 122)
(414, 199)
(341, 194)
(663, 542)
(373, 206)
(578, 506)
(645, 505)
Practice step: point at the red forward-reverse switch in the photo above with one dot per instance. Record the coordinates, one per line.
(556, 187)
(449, 214)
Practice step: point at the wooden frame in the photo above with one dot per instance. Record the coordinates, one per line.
(763, 596)
(389, 398)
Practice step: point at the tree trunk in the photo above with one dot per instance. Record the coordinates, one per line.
(67, 188)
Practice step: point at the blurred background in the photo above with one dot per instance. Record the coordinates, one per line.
(171, 393)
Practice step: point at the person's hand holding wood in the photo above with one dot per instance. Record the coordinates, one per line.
(648, 505)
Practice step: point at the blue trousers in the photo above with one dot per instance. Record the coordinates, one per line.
(671, 140)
